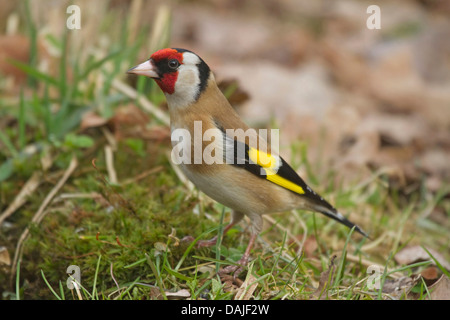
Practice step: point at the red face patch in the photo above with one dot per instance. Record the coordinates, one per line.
(167, 82)
(168, 77)
(168, 54)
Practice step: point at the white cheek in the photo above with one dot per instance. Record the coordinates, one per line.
(186, 87)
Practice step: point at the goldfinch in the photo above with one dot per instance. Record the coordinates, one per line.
(250, 180)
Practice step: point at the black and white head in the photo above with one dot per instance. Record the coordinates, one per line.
(180, 73)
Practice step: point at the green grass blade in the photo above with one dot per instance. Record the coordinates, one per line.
(21, 118)
(49, 286)
(176, 274)
(157, 276)
(18, 280)
(61, 290)
(439, 265)
(219, 238)
(128, 289)
(216, 260)
(189, 248)
(6, 170)
(94, 286)
(8, 144)
(62, 71)
(33, 72)
(131, 265)
(98, 64)
(383, 277)
(340, 270)
(32, 30)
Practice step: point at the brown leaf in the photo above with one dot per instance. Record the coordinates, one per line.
(130, 114)
(412, 254)
(310, 246)
(159, 133)
(155, 294)
(181, 294)
(246, 290)
(238, 95)
(324, 281)
(14, 47)
(231, 283)
(396, 288)
(435, 161)
(131, 121)
(441, 289)
(430, 275)
(4, 256)
(91, 120)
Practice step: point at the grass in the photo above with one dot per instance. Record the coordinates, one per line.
(126, 237)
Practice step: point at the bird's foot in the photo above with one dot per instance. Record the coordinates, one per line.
(235, 269)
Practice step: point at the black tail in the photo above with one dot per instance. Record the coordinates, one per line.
(336, 215)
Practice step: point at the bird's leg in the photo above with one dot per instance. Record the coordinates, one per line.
(256, 227)
(242, 262)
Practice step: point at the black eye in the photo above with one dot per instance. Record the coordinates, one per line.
(173, 64)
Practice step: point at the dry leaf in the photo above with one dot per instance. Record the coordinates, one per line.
(412, 254)
(430, 275)
(91, 120)
(246, 290)
(238, 96)
(310, 246)
(396, 288)
(4, 256)
(440, 290)
(181, 294)
(324, 281)
(230, 283)
(14, 47)
(207, 268)
(161, 247)
(155, 294)
(130, 115)
(157, 133)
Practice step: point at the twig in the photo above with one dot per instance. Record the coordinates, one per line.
(160, 28)
(110, 138)
(143, 175)
(110, 164)
(39, 215)
(109, 155)
(77, 289)
(135, 11)
(29, 187)
(141, 100)
(92, 195)
(112, 276)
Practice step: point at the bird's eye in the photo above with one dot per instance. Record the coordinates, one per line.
(173, 64)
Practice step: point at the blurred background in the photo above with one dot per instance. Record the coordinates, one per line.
(355, 106)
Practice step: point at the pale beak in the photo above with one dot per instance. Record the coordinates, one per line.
(146, 68)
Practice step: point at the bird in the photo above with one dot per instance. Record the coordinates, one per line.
(252, 179)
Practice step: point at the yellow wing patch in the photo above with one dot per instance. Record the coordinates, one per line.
(263, 159)
(271, 165)
(279, 180)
